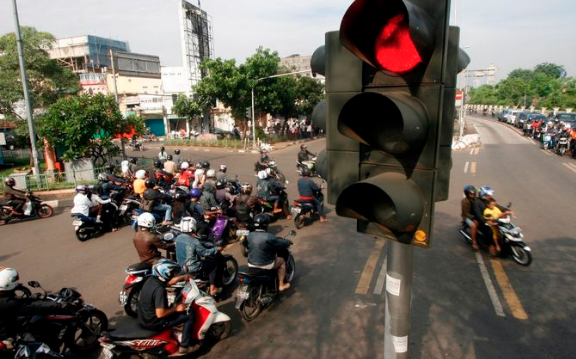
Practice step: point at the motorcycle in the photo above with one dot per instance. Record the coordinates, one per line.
(311, 164)
(38, 209)
(512, 243)
(546, 140)
(22, 348)
(86, 227)
(304, 211)
(242, 233)
(133, 341)
(137, 145)
(258, 288)
(562, 145)
(78, 330)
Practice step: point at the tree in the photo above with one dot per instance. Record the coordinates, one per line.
(85, 125)
(552, 70)
(186, 107)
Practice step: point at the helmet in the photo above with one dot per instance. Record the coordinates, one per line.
(486, 191)
(306, 172)
(469, 189)
(102, 177)
(109, 168)
(246, 188)
(268, 171)
(210, 173)
(303, 147)
(176, 151)
(8, 278)
(10, 181)
(140, 174)
(188, 225)
(149, 183)
(262, 175)
(261, 221)
(158, 164)
(166, 269)
(223, 168)
(169, 157)
(146, 220)
(161, 148)
(133, 160)
(184, 166)
(198, 165)
(195, 192)
(206, 165)
(81, 189)
(220, 184)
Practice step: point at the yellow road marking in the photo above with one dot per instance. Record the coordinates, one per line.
(368, 272)
(567, 165)
(473, 167)
(509, 293)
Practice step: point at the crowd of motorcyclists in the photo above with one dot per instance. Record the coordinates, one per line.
(188, 198)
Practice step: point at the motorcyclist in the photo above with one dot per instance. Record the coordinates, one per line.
(139, 183)
(263, 161)
(170, 166)
(163, 178)
(109, 172)
(245, 203)
(307, 190)
(485, 194)
(153, 194)
(468, 213)
(221, 175)
(147, 243)
(195, 256)
(177, 157)
(266, 251)
(154, 312)
(267, 189)
(13, 307)
(88, 204)
(186, 177)
(210, 178)
(223, 194)
(162, 155)
(207, 199)
(304, 154)
(133, 166)
(105, 187)
(199, 176)
(206, 166)
(194, 208)
(17, 197)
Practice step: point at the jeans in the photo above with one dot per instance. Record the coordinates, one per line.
(166, 209)
(319, 206)
(188, 320)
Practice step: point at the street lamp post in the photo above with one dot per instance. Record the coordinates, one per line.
(253, 116)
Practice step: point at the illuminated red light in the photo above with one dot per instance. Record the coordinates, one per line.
(394, 48)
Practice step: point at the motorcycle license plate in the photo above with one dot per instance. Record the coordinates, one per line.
(242, 294)
(107, 353)
(296, 210)
(242, 232)
(123, 207)
(123, 298)
(77, 223)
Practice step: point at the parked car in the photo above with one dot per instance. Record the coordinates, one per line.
(511, 117)
(502, 115)
(521, 118)
(568, 118)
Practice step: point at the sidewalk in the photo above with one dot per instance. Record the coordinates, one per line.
(57, 198)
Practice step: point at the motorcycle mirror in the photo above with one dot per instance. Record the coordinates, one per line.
(287, 182)
(292, 233)
(509, 205)
(34, 284)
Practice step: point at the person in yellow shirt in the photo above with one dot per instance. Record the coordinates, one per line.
(139, 183)
(491, 214)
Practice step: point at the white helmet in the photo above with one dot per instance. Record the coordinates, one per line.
(102, 177)
(184, 166)
(188, 225)
(223, 168)
(210, 173)
(8, 278)
(140, 174)
(262, 175)
(146, 220)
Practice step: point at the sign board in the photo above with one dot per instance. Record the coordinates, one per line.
(2, 139)
(459, 96)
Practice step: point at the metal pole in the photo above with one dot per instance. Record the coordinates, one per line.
(24, 77)
(398, 299)
(118, 103)
(253, 122)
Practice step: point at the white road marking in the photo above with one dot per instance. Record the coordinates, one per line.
(547, 153)
(466, 167)
(473, 168)
(472, 151)
(572, 165)
(567, 165)
(381, 278)
(490, 286)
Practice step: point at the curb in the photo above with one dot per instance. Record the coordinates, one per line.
(60, 203)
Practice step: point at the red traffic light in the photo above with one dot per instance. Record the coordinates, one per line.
(391, 35)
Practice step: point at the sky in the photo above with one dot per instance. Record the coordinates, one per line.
(510, 34)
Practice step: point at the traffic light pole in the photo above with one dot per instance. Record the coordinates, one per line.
(398, 300)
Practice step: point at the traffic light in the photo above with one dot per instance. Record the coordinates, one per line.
(249, 113)
(385, 90)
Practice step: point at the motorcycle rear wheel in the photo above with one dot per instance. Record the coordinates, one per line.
(131, 306)
(22, 292)
(45, 211)
(79, 341)
(521, 256)
(252, 307)
(299, 221)
(83, 235)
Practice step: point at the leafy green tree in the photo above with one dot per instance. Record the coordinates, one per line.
(552, 70)
(186, 107)
(85, 126)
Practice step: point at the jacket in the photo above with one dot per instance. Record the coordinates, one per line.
(263, 247)
(147, 245)
(190, 251)
(13, 193)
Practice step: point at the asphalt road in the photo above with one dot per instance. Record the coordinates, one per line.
(465, 304)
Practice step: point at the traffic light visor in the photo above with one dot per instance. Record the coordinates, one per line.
(390, 35)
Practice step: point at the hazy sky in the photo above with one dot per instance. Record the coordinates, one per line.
(509, 34)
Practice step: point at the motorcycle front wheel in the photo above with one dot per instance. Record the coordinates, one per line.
(84, 337)
(521, 256)
(251, 307)
(220, 330)
(290, 269)
(230, 271)
(45, 211)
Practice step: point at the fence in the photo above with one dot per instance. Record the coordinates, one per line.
(57, 180)
(20, 153)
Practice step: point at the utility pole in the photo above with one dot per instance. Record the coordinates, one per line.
(117, 102)
(24, 78)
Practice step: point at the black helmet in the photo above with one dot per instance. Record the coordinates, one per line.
(177, 151)
(10, 181)
(149, 183)
(303, 146)
(206, 165)
(306, 172)
(220, 185)
(161, 148)
(109, 168)
(158, 164)
(246, 188)
(169, 157)
(469, 189)
(261, 221)
(133, 160)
